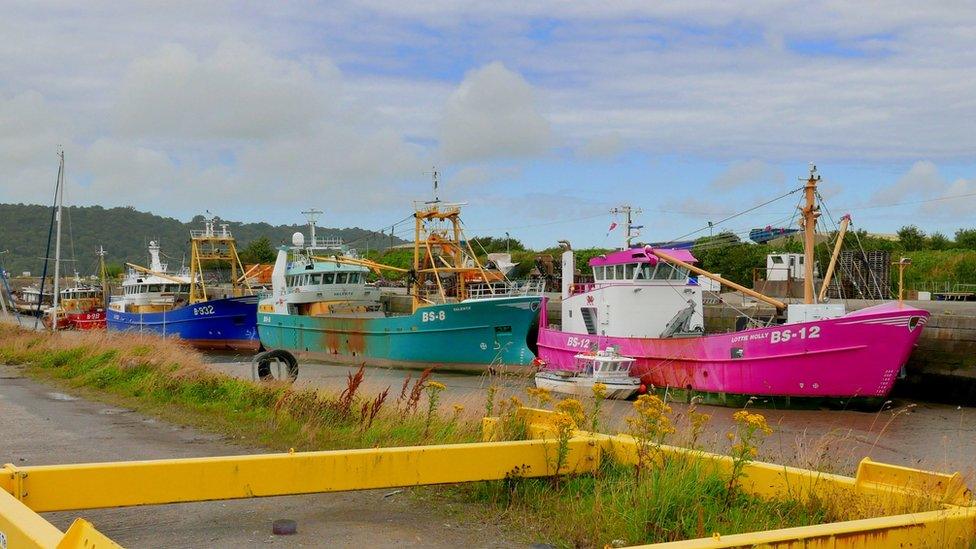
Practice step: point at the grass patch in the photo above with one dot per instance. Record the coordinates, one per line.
(165, 377)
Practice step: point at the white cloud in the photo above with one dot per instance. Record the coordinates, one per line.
(479, 175)
(493, 114)
(30, 133)
(922, 179)
(237, 92)
(155, 104)
(217, 130)
(603, 146)
(925, 184)
(750, 172)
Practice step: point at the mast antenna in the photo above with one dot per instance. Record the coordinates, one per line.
(312, 215)
(435, 177)
(631, 231)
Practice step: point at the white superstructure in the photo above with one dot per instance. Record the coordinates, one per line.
(152, 290)
(632, 295)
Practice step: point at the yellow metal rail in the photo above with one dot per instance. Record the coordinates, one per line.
(946, 514)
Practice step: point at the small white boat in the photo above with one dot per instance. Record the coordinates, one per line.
(607, 367)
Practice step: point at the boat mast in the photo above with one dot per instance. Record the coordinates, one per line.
(810, 213)
(629, 227)
(101, 273)
(57, 244)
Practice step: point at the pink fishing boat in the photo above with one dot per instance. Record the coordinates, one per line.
(644, 302)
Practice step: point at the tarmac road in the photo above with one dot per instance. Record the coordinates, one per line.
(42, 425)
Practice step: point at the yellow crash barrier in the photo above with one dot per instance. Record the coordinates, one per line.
(954, 527)
(94, 485)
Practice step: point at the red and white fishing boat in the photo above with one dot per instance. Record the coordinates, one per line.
(644, 303)
(81, 307)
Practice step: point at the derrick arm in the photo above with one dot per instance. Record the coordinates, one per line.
(697, 270)
(154, 273)
(371, 265)
(844, 222)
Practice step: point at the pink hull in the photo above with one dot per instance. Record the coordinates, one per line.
(857, 355)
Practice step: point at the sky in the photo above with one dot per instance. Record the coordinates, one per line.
(541, 116)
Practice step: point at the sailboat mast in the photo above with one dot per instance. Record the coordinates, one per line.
(810, 215)
(101, 269)
(57, 244)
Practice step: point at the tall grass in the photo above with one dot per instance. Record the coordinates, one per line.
(167, 377)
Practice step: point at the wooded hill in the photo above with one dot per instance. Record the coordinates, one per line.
(125, 234)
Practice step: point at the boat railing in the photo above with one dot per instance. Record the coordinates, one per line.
(507, 288)
(222, 232)
(581, 287)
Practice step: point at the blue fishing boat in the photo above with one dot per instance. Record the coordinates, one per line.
(764, 235)
(182, 305)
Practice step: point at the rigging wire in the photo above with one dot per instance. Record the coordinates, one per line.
(556, 222)
(860, 246)
(713, 225)
(911, 202)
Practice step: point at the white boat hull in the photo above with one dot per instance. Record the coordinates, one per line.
(618, 389)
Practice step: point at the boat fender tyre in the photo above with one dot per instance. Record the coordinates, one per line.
(264, 360)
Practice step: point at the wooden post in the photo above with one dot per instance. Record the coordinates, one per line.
(902, 263)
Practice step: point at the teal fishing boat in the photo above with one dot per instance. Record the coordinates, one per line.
(462, 316)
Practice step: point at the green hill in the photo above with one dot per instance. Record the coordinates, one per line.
(126, 232)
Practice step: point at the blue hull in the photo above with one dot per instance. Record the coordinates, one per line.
(218, 324)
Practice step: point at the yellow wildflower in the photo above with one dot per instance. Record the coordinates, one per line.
(563, 421)
(458, 408)
(573, 408)
(541, 394)
(599, 390)
(436, 385)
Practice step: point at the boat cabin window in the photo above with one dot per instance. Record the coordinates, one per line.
(629, 272)
(341, 278)
(316, 279)
(619, 272)
(598, 273)
(328, 278)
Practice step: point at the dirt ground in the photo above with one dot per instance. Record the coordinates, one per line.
(43, 425)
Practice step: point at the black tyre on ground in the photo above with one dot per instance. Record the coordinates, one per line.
(264, 360)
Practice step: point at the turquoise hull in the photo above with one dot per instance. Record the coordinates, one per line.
(472, 335)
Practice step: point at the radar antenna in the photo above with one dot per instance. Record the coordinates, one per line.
(312, 215)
